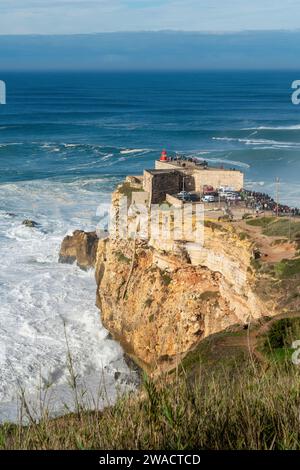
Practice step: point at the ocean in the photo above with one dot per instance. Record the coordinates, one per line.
(66, 140)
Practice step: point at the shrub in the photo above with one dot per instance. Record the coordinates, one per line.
(286, 269)
(166, 278)
(122, 258)
(261, 221)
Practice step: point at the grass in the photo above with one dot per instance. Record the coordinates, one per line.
(278, 341)
(287, 269)
(260, 221)
(243, 236)
(247, 409)
(255, 264)
(274, 227)
(126, 189)
(122, 258)
(165, 277)
(214, 226)
(230, 403)
(283, 228)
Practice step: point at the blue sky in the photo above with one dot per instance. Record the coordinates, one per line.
(89, 16)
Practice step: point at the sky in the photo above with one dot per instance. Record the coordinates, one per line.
(149, 34)
(91, 16)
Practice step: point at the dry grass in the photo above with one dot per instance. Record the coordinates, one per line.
(245, 408)
(218, 399)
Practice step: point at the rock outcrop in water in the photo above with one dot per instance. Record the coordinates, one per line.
(81, 247)
(29, 223)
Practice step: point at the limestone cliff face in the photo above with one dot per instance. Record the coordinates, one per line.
(160, 301)
(160, 298)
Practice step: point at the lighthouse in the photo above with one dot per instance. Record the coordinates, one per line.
(164, 156)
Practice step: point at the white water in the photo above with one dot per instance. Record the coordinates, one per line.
(39, 295)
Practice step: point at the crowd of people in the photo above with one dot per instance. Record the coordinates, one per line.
(183, 159)
(262, 201)
(253, 199)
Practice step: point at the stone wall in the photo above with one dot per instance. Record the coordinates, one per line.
(174, 201)
(215, 177)
(218, 177)
(158, 183)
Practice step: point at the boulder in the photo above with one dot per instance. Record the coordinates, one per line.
(81, 247)
(30, 223)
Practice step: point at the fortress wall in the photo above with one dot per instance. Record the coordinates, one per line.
(159, 184)
(164, 165)
(218, 177)
(215, 177)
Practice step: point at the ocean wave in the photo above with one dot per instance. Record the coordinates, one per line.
(275, 128)
(10, 144)
(129, 151)
(259, 142)
(107, 156)
(50, 293)
(228, 162)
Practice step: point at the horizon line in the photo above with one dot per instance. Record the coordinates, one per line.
(209, 32)
(153, 70)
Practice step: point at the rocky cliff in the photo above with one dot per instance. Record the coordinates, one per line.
(160, 298)
(159, 304)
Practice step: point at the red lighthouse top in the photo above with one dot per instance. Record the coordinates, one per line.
(164, 156)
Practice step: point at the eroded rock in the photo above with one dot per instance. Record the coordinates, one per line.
(81, 247)
(30, 223)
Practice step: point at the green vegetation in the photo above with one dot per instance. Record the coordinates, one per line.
(277, 342)
(278, 227)
(278, 241)
(288, 228)
(261, 221)
(214, 226)
(126, 189)
(288, 268)
(255, 264)
(122, 258)
(148, 302)
(219, 399)
(209, 294)
(216, 352)
(166, 278)
(243, 236)
(283, 331)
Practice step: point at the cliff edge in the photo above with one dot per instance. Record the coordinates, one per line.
(159, 298)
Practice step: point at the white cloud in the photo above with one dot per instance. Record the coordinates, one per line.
(86, 16)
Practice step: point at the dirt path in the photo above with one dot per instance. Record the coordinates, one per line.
(249, 342)
(271, 252)
(256, 334)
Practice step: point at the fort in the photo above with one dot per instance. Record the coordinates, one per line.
(170, 176)
(162, 292)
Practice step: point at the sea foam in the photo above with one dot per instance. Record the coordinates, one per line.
(43, 302)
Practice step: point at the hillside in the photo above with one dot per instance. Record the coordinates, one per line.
(223, 396)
